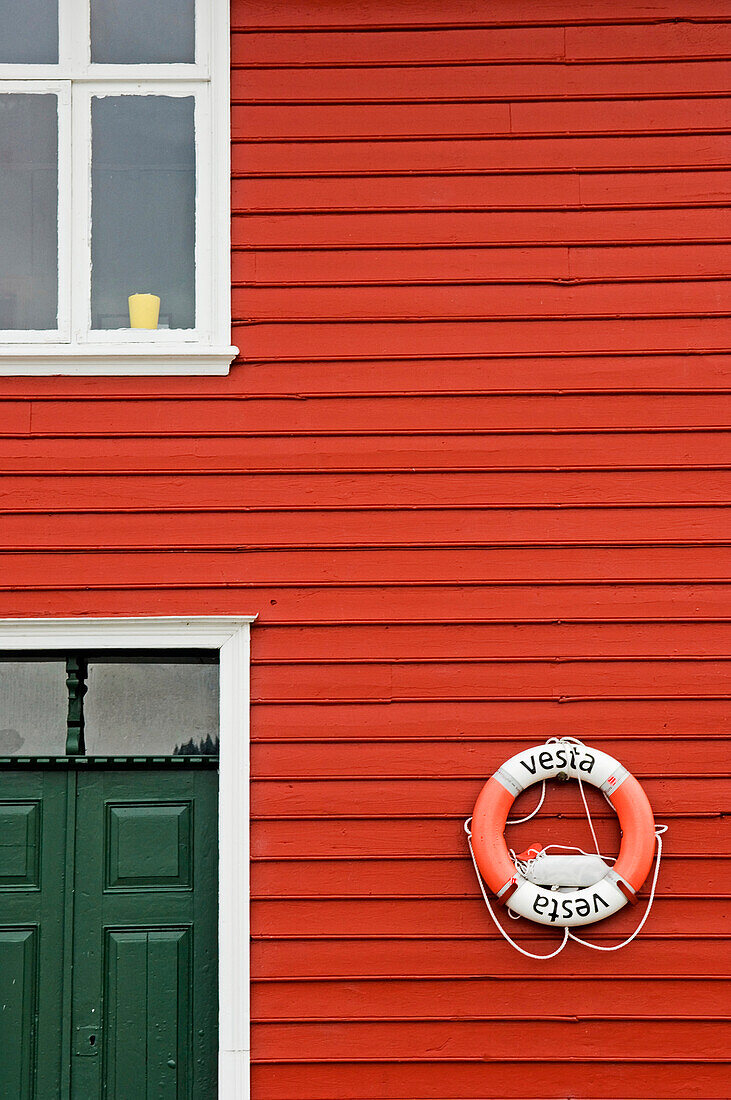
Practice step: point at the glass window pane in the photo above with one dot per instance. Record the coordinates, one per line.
(151, 709)
(143, 208)
(140, 32)
(29, 32)
(33, 705)
(28, 211)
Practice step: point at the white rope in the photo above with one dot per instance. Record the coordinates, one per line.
(520, 867)
(498, 925)
(588, 815)
(659, 830)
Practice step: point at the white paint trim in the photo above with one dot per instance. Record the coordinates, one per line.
(219, 62)
(119, 359)
(124, 352)
(230, 635)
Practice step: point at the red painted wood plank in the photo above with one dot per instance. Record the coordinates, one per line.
(644, 261)
(481, 154)
(399, 414)
(444, 837)
(371, 491)
(373, 754)
(371, 567)
(317, 14)
(671, 39)
(605, 301)
(427, 917)
(492, 720)
(480, 191)
(435, 878)
(378, 192)
(59, 457)
(394, 265)
(423, 796)
(578, 116)
(500, 44)
(14, 416)
(545, 677)
(479, 265)
(569, 337)
(620, 115)
(419, 120)
(474, 640)
(496, 1081)
(491, 1040)
(650, 957)
(440, 999)
(479, 81)
(652, 40)
(576, 227)
(373, 528)
(315, 453)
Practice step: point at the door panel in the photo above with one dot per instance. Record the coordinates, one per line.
(18, 992)
(146, 869)
(34, 1034)
(147, 1020)
(108, 927)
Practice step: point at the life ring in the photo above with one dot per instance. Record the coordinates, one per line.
(564, 759)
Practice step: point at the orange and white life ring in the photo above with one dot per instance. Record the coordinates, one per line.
(569, 908)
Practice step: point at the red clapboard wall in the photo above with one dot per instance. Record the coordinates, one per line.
(471, 470)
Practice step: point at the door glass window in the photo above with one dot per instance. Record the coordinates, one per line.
(105, 705)
(151, 709)
(32, 708)
(142, 32)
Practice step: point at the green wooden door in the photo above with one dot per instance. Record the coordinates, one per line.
(108, 913)
(33, 1002)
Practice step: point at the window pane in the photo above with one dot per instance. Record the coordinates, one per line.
(29, 32)
(142, 208)
(33, 705)
(142, 31)
(28, 211)
(151, 709)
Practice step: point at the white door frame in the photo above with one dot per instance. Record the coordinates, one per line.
(229, 634)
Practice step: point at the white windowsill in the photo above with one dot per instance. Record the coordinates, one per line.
(115, 360)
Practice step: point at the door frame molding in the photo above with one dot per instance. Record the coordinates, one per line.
(229, 634)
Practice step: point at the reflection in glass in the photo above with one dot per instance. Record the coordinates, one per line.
(151, 709)
(28, 211)
(137, 32)
(29, 32)
(143, 208)
(33, 705)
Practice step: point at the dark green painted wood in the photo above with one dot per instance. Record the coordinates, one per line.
(76, 672)
(18, 992)
(108, 952)
(68, 954)
(33, 807)
(145, 952)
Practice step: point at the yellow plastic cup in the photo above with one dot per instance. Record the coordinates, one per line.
(144, 310)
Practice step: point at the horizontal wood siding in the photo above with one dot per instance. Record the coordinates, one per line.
(472, 471)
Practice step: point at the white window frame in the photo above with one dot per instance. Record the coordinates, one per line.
(74, 348)
(230, 636)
